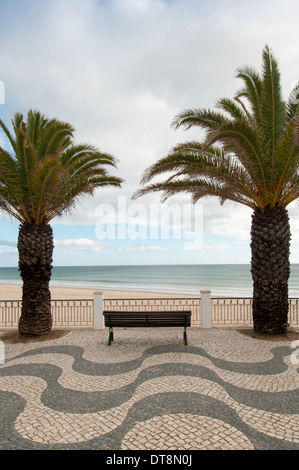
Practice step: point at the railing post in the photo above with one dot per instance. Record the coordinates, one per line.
(205, 308)
(98, 307)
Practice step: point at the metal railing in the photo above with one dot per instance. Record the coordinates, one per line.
(65, 313)
(10, 311)
(231, 312)
(80, 313)
(75, 313)
(238, 311)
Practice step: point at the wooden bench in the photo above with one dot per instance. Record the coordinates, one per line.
(146, 319)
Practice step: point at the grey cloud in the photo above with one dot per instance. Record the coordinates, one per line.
(119, 71)
(8, 243)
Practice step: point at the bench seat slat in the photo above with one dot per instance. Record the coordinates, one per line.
(135, 323)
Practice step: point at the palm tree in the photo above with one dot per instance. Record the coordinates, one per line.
(249, 155)
(43, 177)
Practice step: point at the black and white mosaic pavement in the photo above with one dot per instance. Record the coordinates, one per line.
(150, 391)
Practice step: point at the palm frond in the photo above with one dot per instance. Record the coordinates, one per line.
(197, 188)
(243, 140)
(290, 192)
(45, 181)
(174, 160)
(8, 134)
(34, 125)
(55, 138)
(286, 162)
(250, 150)
(191, 160)
(273, 106)
(11, 187)
(48, 173)
(204, 118)
(233, 108)
(79, 155)
(18, 121)
(252, 91)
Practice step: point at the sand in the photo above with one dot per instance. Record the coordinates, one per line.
(14, 292)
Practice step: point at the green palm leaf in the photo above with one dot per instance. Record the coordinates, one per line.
(252, 91)
(249, 155)
(273, 107)
(250, 145)
(47, 173)
(203, 118)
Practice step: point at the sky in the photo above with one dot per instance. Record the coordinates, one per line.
(119, 71)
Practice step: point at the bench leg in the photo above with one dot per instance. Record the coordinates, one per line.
(110, 336)
(185, 336)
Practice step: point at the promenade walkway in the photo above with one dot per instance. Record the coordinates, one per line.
(225, 390)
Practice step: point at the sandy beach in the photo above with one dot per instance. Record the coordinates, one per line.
(14, 292)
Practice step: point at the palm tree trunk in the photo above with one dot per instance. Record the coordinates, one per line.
(270, 268)
(35, 245)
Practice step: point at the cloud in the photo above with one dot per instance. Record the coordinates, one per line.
(75, 242)
(142, 249)
(120, 70)
(293, 210)
(80, 242)
(8, 243)
(230, 220)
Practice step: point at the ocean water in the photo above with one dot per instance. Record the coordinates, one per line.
(228, 280)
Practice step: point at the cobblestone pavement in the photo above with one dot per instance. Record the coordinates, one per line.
(148, 390)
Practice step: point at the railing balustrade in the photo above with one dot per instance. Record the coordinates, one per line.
(75, 313)
(157, 304)
(65, 313)
(10, 311)
(80, 313)
(231, 312)
(294, 312)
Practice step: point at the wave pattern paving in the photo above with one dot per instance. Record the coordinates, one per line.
(149, 391)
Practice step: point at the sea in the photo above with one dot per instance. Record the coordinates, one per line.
(224, 280)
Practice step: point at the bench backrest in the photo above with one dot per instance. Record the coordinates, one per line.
(150, 319)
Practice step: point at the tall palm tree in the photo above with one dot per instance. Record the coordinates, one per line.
(250, 155)
(43, 177)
